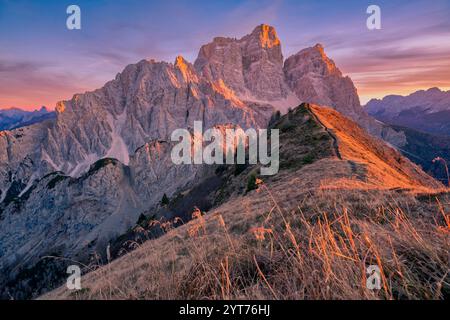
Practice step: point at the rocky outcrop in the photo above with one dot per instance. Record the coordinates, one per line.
(251, 66)
(316, 79)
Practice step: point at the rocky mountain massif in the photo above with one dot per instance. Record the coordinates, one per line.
(70, 185)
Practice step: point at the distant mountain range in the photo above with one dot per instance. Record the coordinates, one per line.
(15, 118)
(424, 110)
(421, 121)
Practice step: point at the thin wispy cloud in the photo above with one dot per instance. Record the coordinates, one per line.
(25, 84)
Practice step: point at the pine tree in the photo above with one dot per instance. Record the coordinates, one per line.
(164, 200)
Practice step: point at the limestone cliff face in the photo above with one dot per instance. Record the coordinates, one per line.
(315, 78)
(252, 66)
(146, 101)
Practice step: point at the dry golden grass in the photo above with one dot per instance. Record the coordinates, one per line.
(384, 165)
(317, 245)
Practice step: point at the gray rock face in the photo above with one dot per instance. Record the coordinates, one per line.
(315, 78)
(67, 215)
(92, 198)
(145, 102)
(252, 66)
(63, 215)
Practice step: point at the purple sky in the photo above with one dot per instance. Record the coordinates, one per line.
(41, 62)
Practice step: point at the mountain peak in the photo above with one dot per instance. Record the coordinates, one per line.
(181, 64)
(319, 47)
(252, 66)
(180, 61)
(186, 69)
(60, 107)
(303, 70)
(435, 89)
(267, 36)
(317, 50)
(318, 53)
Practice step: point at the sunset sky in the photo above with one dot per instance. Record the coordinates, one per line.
(42, 62)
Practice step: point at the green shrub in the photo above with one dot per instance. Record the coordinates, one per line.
(308, 159)
(251, 182)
